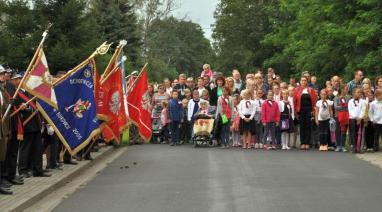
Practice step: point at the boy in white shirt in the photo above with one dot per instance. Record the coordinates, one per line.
(357, 109)
(375, 116)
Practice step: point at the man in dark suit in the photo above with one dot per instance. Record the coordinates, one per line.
(13, 144)
(4, 134)
(31, 148)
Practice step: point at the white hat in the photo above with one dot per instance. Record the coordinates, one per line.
(2, 69)
(16, 76)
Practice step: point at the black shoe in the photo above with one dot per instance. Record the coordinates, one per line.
(88, 157)
(5, 191)
(26, 175)
(43, 174)
(57, 168)
(70, 162)
(19, 178)
(15, 181)
(5, 183)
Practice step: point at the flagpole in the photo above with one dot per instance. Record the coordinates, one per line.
(30, 118)
(135, 81)
(101, 50)
(121, 45)
(116, 53)
(114, 70)
(27, 71)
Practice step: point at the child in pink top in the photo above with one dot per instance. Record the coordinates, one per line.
(270, 117)
(164, 122)
(207, 71)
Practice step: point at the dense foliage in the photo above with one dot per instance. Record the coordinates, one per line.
(323, 37)
(79, 26)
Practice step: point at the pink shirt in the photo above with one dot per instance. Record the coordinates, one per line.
(208, 73)
(164, 117)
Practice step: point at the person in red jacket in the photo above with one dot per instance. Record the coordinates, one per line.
(270, 117)
(304, 100)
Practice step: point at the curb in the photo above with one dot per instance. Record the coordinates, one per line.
(28, 203)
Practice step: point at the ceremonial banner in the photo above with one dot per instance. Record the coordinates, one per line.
(138, 105)
(113, 103)
(74, 120)
(38, 81)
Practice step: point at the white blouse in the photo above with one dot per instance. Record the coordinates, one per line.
(247, 107)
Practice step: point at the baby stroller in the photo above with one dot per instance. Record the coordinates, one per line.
(203, 130)
(156, 125)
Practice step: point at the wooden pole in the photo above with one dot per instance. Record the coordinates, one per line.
(30, 118)
(135, 81)
(114, 70)
(122, 43)
(39, 48)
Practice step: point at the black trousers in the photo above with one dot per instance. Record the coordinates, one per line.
(51, 141)
(3, 163)
(369, 139)
(377, 135)
(305, 121)
(31, 150)
(11, 158)
(323, 127)
(353, 133)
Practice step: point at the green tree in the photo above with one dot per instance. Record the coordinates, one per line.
(177, 45)
(239, 29)
(74, 34)
(18, 33)
(118, 21)
(328, 37)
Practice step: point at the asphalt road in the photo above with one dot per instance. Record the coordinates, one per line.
(160, 178)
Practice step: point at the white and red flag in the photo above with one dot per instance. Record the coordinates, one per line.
(38, 81)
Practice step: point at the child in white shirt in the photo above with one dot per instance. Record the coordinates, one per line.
(375, 116)
(247, 110)
(323, 114)
(258, 125)
(286, 119)
(357, 108)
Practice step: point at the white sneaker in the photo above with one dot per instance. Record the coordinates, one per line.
(287, 148)
(283, 148)
(261, 145)
(256, 145)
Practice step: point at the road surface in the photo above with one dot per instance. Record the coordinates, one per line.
(160, 178)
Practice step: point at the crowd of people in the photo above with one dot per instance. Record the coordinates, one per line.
(25, 137)
(260, 111)
(264, 111)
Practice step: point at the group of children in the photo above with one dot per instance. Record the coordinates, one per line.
(249, 120)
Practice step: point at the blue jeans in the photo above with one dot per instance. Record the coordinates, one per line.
(224, 133)
(270, 131)
(175, 132)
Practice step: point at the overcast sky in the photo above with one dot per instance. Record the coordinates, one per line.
(199, 11)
